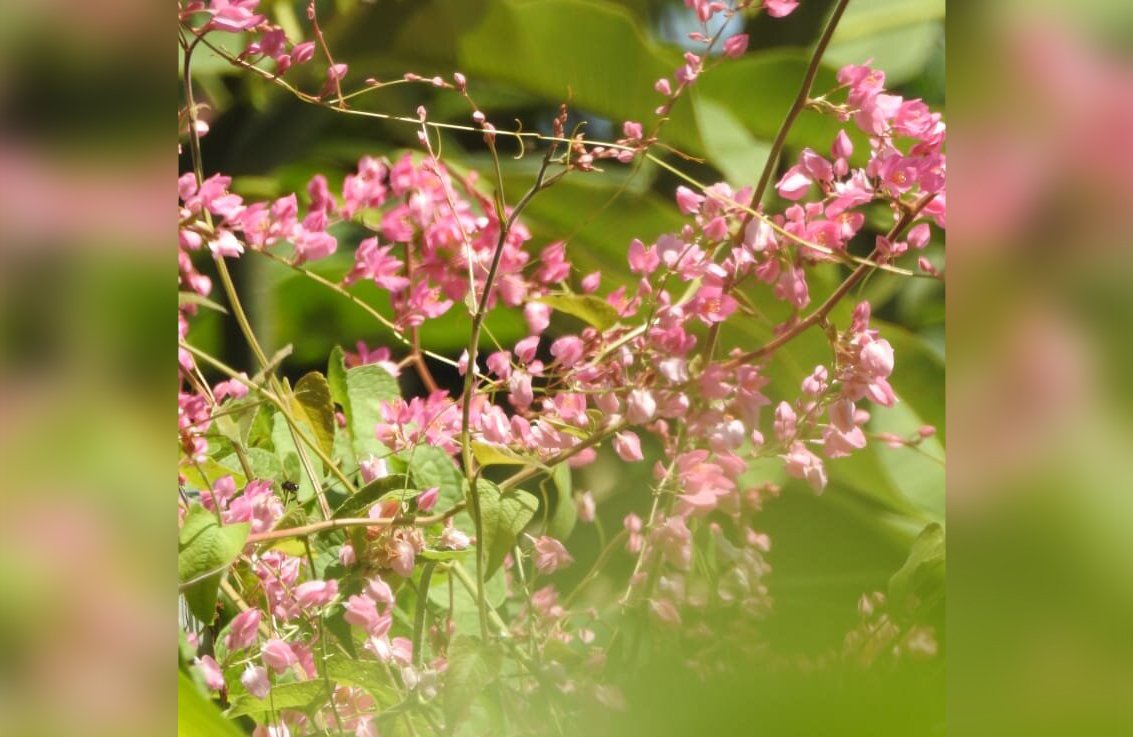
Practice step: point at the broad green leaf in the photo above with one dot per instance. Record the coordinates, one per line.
(392, 485)
(918, 473)
(367, 674)
(899, 35)
(759, 88)
(472, 667)
(503, 517)
(592, 310)
(311, 402)
(430, 466)
(730, 147)
(490, 454)
(198, 716)
(213, 470)
(565, 512)
(301, 696)
(366, 388)
(204, 552)
(336, 378)
(592, 54)
(923, 569)
(288, 454)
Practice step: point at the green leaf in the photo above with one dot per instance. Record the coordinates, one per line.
(198, 716)
(288, 454)
(192, 298)
(430, 466)
(608, 66)
(899, 35)
(503, 517)
(213, 470)
(204, 552)
(366, 388)
(592, 310)
(564, 516)
(371, 493)
(336, 378)
(301, 696)
(311, 403)
(923, 569)
(490, 454)
(366, 674)
(731, 148)
(472, 667)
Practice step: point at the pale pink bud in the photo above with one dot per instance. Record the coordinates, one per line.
(877, 358)
(312, 594)
(537, 315)
(568, 350)
(519, 389)
(278, 655)
(373, 468)
(802, 464)
(785, 422)
(454, 539)
(632, 129)
(586, 507)
(628, 446)
(688, 201)
(380, 591)
(794, 184)
(550, 555)
(402, 558)
(225, 244)
(665, 613)
(641, 407)
(919, 235)
(662, 85)
(525, 349)
(428, 499)
(590, 282)
(209, 668)
(255, 680)
(346, 555)
(303, 52)
(243, 629)
(843, 147)
(460, 81)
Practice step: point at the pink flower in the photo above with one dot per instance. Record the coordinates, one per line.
(362, 612)
(255, 680)
(662, 85)
(234, 16)
(226, 245)
(736, 45)
(628, 446)
(688, 201)
(643, 260)
(428, 498)
(591, 281)
(209, 668)
(243, 630)
(568, 350)
(537, 315)
(380, 591)
(303, 52)
(278, 655)
(641, 407)
(780, 8)
(313, 594)
(843, 147)
(402, 557)
(800, 463)
(550, 555)
(794, 184)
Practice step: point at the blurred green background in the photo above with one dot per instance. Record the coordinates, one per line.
(524, 58)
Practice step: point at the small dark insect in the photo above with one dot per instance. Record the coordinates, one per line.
(290, 486)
